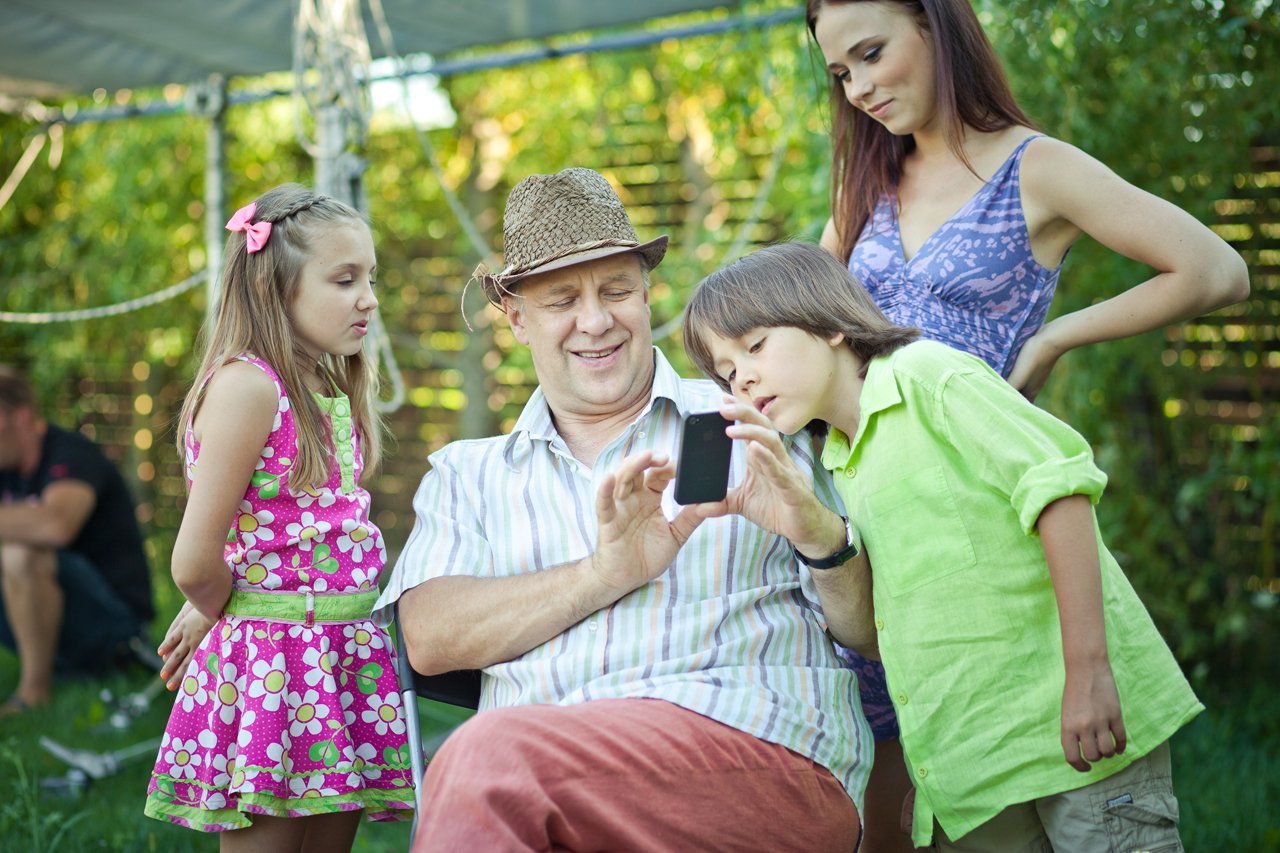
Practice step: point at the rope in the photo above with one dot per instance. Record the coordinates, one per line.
(42, 318)
(469, 227)
(329, 37)
(329, 45)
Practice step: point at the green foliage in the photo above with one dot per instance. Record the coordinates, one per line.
(721, 142)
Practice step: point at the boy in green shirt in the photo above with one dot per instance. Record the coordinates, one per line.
(1035, 695)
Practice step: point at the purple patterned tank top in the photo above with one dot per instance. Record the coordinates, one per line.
(974, 284)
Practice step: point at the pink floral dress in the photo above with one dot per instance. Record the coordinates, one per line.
(279, 713)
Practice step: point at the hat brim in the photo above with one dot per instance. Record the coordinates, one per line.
(651, 254)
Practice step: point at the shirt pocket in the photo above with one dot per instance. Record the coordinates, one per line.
(925, 538)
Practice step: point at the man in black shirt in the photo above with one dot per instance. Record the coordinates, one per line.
(74, 581)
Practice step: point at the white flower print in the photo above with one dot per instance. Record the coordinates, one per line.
(310, 786)
(213, 801)
(348, 699)
(361, 639)
(281, 408)
(259, 569)
(265, 456)
(356, 538)
(240, 775)
(364, 578)
(182, 757)
(320, 662)
(193, 691)
(384, 714)
(278, 752)
(306, 633)
(363, 767)
(307, 530)
(269, 681)
(307, 495)
(229, 688)
(232, 632)
(307, 712)
(247, 719)
(254, 527)
(219, 761)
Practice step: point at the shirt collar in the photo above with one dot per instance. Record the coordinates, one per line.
(535, 422)
(879, 392)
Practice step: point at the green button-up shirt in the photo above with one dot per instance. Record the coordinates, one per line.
(945, 478)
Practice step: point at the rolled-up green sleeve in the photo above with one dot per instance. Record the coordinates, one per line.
(1016, 447)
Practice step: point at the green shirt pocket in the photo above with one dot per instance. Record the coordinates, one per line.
(940, 545)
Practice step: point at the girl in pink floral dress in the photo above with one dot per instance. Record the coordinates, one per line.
(287, 722)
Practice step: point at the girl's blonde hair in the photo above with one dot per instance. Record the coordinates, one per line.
(252, 315)
(795, 285)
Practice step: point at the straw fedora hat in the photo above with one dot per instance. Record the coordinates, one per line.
(556, 221)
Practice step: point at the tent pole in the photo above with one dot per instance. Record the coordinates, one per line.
(212, 102)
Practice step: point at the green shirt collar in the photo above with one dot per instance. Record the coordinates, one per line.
(879, 392)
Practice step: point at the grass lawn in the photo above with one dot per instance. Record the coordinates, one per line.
(1225, 772)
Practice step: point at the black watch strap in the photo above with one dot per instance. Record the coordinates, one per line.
(839, 558)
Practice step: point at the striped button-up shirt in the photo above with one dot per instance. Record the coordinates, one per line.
(732, 630)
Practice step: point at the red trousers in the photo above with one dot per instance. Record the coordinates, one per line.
(626, 775)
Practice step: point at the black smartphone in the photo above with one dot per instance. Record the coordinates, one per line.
(702, 471)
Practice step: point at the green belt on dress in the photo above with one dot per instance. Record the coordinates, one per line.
(305, 607)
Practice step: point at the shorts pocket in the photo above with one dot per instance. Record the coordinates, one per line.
(943, 547)
(1143, 819)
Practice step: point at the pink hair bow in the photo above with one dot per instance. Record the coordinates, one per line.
(256, 233)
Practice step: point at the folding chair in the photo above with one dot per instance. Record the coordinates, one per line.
(460, 688)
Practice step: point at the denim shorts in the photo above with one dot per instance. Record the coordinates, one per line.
(96, 622)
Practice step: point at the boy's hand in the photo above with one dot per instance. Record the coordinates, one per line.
(1092, 724)
(180, 642)
(775, 493)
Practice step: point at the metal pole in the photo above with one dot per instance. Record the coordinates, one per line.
(211, 100)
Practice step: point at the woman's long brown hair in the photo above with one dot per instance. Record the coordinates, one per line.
(866, 159)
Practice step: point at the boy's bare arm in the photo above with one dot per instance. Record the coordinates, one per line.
(1092, 722)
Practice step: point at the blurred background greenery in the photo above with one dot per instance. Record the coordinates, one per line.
(721, 142)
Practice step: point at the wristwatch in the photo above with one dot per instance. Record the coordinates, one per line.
(839, 558)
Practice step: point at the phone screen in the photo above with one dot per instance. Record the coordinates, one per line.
(702, 471)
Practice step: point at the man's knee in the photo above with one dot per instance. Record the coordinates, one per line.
(22, 562)
(498, 739)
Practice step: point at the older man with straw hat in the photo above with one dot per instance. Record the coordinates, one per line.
(654, 677)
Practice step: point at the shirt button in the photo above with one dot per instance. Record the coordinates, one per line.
(347, 459)
(879, 624)
(340, 408)
(902, 698)
(344, 433)
(643, 433)
(591, 626)
(922, 772)
(850, 472)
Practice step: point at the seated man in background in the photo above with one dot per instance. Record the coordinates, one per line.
(73, 573)
(652, 680)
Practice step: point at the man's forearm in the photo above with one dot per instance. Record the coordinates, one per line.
(33, 524)
(845, 593)
(461, 622)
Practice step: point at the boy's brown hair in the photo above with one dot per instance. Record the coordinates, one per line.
(795, 285)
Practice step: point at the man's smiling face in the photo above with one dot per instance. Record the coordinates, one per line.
(587, 328)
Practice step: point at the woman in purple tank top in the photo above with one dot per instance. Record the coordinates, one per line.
(956, 214)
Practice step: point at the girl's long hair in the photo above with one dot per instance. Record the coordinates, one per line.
(866, 159)
(252, 316)
(795, 285)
